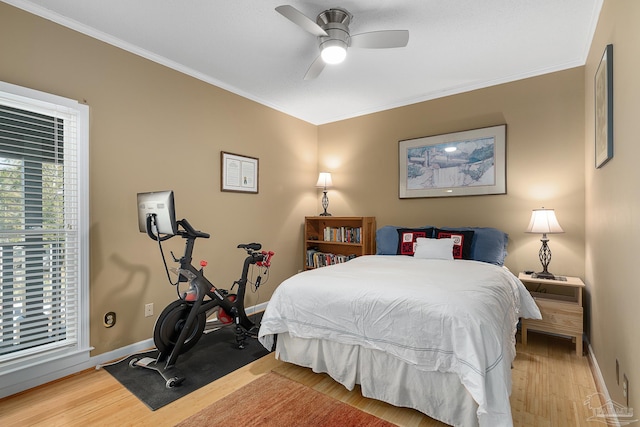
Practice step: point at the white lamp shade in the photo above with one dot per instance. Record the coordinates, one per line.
(324, 180)
(544, 221)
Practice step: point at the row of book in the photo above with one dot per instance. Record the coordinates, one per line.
(342, 234)
(317, 259)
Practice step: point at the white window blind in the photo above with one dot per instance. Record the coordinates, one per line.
(41, 225)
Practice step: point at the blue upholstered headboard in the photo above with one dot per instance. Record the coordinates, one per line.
(488, 244)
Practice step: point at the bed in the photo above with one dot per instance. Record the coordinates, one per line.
(421, 330)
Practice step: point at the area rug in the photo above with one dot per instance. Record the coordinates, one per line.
(214, 356)
(274, 400)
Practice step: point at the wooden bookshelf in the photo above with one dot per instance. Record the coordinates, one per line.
(335, 239)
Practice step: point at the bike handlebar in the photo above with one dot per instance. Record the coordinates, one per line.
(190, 231)
(266, 259)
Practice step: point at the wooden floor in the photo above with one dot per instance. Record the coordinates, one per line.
(550, 386)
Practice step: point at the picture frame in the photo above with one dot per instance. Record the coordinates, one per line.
(466, 163)
(603, 94)
(239, 173)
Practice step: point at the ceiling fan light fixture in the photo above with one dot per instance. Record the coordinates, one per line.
(332, 30)
(333, 53)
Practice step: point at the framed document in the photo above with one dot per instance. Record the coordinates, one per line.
(239, 173)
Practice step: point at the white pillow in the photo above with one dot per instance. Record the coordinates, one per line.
(434, 248)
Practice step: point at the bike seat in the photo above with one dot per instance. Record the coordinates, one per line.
(252, 246)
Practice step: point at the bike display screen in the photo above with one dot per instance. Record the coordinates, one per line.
(161, 205)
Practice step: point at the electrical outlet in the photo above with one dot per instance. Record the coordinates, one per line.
(625, 389)
(148, 310)
(109, 319)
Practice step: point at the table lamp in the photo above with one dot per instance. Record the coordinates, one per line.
(324, 182)
(544, 221)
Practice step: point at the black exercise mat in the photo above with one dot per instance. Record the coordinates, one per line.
(214, 356)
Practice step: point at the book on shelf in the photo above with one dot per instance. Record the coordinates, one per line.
(316, 259)
(342, 234)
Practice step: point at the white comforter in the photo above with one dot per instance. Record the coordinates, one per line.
(448, 316)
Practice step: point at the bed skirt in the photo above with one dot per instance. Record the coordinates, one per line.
(437, 394)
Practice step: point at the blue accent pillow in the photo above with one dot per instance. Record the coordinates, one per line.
(488, 245)
(387, 239)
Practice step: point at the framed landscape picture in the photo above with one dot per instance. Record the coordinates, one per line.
(463, 163)
(603, 88)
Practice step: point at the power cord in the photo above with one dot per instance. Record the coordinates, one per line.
(166, 267)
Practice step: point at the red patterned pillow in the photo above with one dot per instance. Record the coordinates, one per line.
(461, 244)
(407, 239)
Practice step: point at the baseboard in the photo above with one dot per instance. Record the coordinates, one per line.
(257, 308)
(35, 376)
(601, 386)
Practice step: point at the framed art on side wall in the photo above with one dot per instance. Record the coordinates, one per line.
(463, 163)
(603, 88)
(239, 173)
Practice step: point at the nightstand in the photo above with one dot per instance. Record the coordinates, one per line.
(560, 303)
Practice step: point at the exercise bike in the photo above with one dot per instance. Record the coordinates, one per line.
(182, 323)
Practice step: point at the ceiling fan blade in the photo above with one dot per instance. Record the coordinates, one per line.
(380, 39)
(315, 69)
(301, 20)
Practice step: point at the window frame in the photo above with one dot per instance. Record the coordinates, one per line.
(35, 369)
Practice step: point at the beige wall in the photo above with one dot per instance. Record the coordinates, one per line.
(153, 128)
(545, 164)
(613, 205)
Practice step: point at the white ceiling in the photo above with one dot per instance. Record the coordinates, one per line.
(248, 48)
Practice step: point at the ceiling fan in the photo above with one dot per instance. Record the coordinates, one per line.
(332, 29)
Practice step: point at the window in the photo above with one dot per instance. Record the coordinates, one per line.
(43, 228)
